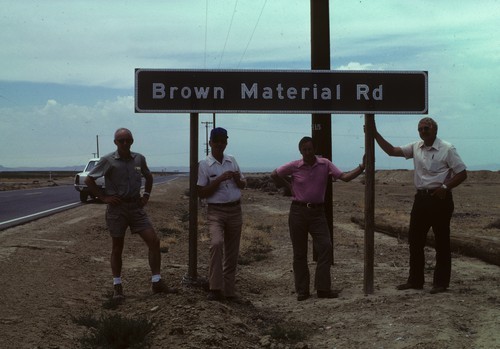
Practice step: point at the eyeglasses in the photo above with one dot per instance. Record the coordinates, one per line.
(123, 140)
(425, 128)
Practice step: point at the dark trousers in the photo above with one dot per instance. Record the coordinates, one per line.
(303, 221)
(429, 211)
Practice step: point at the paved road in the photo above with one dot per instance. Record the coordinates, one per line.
(21, 206)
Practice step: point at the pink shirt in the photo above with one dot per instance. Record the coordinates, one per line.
(309, 182)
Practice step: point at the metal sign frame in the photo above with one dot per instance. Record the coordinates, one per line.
(280, 91)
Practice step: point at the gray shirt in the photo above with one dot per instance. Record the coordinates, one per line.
(122, 177)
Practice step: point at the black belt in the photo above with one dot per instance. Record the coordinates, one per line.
(307, 204)
(225, 204)
(425, 191)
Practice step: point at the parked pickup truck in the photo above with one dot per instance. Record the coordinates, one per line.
(80, 181)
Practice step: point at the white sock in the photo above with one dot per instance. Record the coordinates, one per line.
(155, 278)
(117, 280)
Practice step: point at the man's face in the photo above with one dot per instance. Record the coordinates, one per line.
(218, 144)
(307, 151)
(426, 131)
(124, 140)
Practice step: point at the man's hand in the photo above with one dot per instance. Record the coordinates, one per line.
(144, 200)
(226, 175)
(111, 199)
(440, 193)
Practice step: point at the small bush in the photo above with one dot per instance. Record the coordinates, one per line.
(255, 244)
(287, 333)
(115, 331)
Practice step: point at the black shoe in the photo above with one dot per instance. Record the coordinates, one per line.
(118, 293)
(408, 286)
(303, 296)
(328, 294)
(215, 295)
(438, 289)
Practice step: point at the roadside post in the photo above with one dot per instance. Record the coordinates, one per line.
(321, 124)
(282, 92)
(369, 237)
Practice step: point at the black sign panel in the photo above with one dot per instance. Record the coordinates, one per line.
(265, 91)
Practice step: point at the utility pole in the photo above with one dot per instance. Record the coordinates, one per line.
(97, 140)
(206, 123)
(321, 127)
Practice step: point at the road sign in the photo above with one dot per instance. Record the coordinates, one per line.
(278, 91)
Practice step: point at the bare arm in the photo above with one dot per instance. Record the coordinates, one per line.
(90, 182)
(453, 182)
(456, 180)
(348, 176)
(388, 147)
(94, 189)
(148, 186)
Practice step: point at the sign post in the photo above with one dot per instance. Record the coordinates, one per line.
(369, 203)
(282, 92)
(321, 124)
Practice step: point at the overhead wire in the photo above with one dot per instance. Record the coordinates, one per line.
(228, 31)
(253, 32)
(206, 33)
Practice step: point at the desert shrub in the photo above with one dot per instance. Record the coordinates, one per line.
(114, 331)
(255, 244)
(287, 332)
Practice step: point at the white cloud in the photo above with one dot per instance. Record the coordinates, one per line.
(96, 43)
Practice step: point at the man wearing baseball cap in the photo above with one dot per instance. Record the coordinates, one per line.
(220, 182)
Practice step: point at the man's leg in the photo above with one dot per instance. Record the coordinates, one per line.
(323, 247)
(232, 235)
(215, 221)
(441, 228)
(154, 255)
(151, 239)
(420, 222)
(116, 256)
(298, 226)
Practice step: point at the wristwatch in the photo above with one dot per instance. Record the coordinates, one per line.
(444, 186)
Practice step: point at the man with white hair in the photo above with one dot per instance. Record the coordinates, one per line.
(438, 169)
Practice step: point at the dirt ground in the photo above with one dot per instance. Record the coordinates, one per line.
(56, 268)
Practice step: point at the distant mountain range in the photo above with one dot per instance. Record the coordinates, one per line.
(79, 168)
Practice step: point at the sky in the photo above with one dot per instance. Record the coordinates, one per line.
(67, 75)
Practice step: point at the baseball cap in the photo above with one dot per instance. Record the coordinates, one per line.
(218, 132)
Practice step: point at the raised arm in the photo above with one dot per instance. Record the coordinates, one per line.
(348, 176)
(387, 147)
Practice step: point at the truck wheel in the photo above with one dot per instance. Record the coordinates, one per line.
(83, 196)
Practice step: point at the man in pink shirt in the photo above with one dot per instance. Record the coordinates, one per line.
(309, 178)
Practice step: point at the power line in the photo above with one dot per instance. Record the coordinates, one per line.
(206, 33)
(228, 31)
(253, 32)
